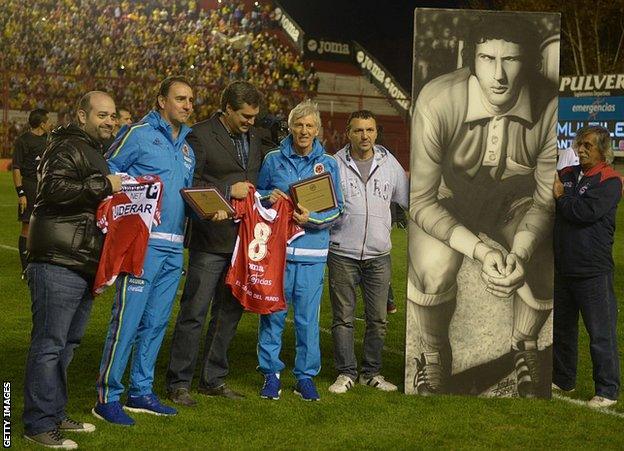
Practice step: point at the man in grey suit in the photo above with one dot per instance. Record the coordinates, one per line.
(228, 152)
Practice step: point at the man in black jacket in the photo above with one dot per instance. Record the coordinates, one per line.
(587, 196)
(64, 246)
(228, 156)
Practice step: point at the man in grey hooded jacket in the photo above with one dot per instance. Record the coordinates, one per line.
(359, 252)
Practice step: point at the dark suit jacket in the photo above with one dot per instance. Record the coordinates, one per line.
(217, 164)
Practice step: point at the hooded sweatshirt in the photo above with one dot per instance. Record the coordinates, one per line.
(363, 231)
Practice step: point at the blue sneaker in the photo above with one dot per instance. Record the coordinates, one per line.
(113, 413)
(306, 389)
(272, 386)
(149, 404)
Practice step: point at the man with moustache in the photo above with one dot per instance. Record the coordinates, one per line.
(74, 178)
(229, 152)
(587, 196)
(482, 161)
(154, 146)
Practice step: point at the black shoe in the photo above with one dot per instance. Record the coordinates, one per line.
(223, 391)
(182, 396)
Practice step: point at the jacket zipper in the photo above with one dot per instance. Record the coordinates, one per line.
(366, 201)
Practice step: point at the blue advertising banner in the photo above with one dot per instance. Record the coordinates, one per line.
(591, 108)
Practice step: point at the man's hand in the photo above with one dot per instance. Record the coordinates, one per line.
(276, 194)
(557, 187)
(239, 190)
(493, 265)
(513, 278)
(115, 181)
(220, 215)
(23, 203)
(302, 216)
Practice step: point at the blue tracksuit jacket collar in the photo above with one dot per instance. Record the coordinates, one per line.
(155, 119)
(288, 149)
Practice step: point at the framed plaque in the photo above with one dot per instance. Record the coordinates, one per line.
(205, 202)
(315, 193)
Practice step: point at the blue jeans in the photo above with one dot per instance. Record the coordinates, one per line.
(205, 282)
(61, 303)
(595, 299)
(373, 276)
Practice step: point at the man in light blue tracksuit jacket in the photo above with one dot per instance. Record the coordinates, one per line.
(299, 156)
(359, 251)
(142, 306)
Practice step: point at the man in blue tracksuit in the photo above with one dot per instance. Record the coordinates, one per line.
(587, 196)
(299, 156)
(142, 306)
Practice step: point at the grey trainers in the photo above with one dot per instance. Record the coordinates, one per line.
(69, 425)
(342, 385)
(600, 402)
(378, 382)
(52, 439)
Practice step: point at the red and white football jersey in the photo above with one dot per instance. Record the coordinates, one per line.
(256, 274)
(126, 218)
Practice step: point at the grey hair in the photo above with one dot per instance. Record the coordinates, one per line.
(305, 108)
(603, 140)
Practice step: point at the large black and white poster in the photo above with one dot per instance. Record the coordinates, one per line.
(483, 155)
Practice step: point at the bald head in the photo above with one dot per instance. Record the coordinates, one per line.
(96, 114)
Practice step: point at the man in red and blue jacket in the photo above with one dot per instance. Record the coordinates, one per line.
(586, 197)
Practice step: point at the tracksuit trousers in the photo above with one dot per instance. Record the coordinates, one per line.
(138, 323)
(303, 287)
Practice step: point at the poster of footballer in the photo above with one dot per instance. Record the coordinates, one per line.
(483, 155)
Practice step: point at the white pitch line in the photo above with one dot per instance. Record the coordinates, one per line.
(11, 248)
(578, 402)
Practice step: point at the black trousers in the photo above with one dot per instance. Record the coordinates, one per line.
(595, 299)
(204, 283)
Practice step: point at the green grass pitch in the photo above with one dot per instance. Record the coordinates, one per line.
(362, 418)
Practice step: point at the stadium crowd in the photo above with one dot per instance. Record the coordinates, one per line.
(65, 48)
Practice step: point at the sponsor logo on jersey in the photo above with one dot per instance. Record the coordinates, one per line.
(130, 209)
(583, 189)
(255, 280)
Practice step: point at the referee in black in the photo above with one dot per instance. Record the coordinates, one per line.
(28, 149)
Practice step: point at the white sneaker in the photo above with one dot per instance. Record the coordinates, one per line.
(600, 402)
(555, 387)
(378, 382)
(342, 385)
